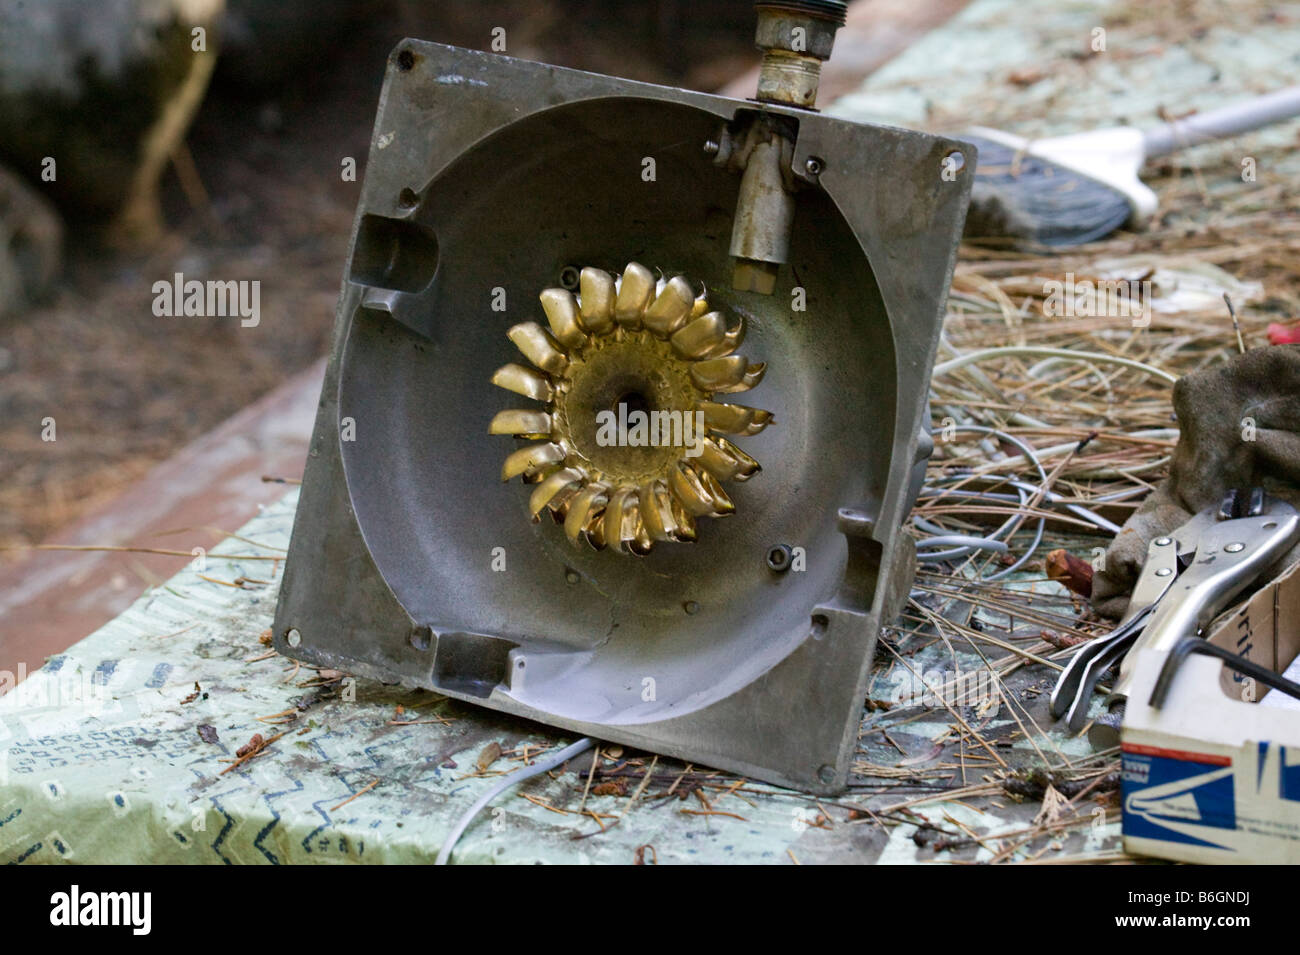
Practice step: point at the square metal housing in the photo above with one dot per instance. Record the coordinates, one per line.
(411, 563)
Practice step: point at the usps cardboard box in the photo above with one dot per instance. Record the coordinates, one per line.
(1214, 776)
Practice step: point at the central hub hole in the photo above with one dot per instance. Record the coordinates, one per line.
(635, 401)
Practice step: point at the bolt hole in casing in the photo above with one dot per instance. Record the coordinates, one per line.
(410, 557)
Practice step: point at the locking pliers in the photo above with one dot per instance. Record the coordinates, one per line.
(1189, 577)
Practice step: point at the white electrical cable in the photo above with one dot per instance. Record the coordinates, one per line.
(1153, 434)
(1040, 490)
(971, 544)
(988, 542)
(962, 540)
(953, 364)
(518, 776)
(1052, 498)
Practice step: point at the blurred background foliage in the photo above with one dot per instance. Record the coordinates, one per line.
(223, 163)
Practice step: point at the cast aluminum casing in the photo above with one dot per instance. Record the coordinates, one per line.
(412, 563)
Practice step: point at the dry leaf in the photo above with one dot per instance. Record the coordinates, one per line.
(252, 746)
(1053, 805)
(1062, 641)
(1068, 570)
(490, 754)
(1026, 76)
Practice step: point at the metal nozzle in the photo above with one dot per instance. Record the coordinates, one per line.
(796, 37)
(760, 235)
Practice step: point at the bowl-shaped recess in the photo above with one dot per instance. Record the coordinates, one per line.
(565, 188)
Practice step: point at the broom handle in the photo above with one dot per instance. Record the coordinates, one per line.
(1221, 123)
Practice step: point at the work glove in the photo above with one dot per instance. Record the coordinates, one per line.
(1240, 428)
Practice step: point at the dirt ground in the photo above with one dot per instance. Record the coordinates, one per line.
(126, 388)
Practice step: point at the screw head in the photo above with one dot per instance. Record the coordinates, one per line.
(1235, 547)
(571, 576)
(814, 166)
(779, 557)
(826, 774)
(691, 607)
(1163, 572)
(1163, 541)
(711, 147)
(293, 637)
